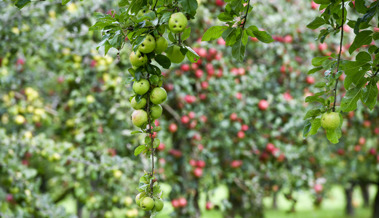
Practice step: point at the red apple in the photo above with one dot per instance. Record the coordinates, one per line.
(209, 206)
(173, 127)
(198, 172)
(263, 105)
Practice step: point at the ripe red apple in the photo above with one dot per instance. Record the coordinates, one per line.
(175, 153)
(236, 163)
(341, 151)
(199, 73)
(220, 41)
(233, 116)
(209, 206)
(182, 202)
(362, 140)
(161, 147)
(203, 118)
(173, 127)
(200, 147)
(288, 39)
(372, 151)
(185, 119)
(263, 105)
(281, 158)
(241, 134)
(198, 172)
(314, 5)
(185, 67)
(270, 148)
(239, 95)
(220, 3)
(310, 80)
(204, 85)
(175, 203)
(244, 127)
(357, 148)
(202, 52)
(200, 163)
(192, 162)
(318, 188)
(366, 123)
(322, 46)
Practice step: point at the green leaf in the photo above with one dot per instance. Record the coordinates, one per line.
(370, 94)
(333, 135)
(136, 132)
(316, 23)
(186, 33)
(311, 127)
(262, 36)
(322, 1)
(349, 102)
(139, 149)
(64, 2)
(156, 143)
(21, 3)
(189, 6)
(192, 55)
(320, 84)
(360, 6)
(312, 113)
(314, 70)
(363, 38)
(317, 61)
(214, 32)
(238, 50)
(163, 61)
(310, 99)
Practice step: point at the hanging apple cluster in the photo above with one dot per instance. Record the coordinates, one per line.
(146, 24)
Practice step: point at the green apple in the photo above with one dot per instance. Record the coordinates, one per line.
(141, 87)
(148, 45)
(143, 13)
(138, 105)
(156, 111)
(137, 59)
(330, 120)
(139, 118)
(138, 199)
(174, 54)
(147, 203)
(158, 205)
(177, 22)
(158, 95)
(160, 45)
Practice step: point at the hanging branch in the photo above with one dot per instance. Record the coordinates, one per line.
(150, 132)
(339, 54)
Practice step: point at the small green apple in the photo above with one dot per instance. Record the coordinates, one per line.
(156, 111)
(330, 120)
(138, 199)
(174, 54)
(158, 95)
(137, 59)
(138, 105)
(139, 118)
(160, 45)
(177, 22)
(141, 87)
(148, 45)
(158, 205)
(147, 203)
(143, 13)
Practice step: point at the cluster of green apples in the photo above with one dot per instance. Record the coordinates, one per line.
(157, 95)
(147, 203)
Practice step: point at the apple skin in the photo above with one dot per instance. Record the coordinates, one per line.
(174, 54)
(156, 111)
(138, 105)
(158, 205)
(137, 59)
(158, 95)
(141, 87)
(138, 199)
(148, 45)
(160, 45)
(147, 203)
(177, 22)
(330, 120)
(143, 13)
(139, 118)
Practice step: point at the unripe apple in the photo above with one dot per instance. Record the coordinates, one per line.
(158, 95)
(148, 45)
(141, 87)
(137, 59)
(138, 105)
(330, 120)
(117, 174)
(143, 13)
(177, 22)
(138, 199)
(139, 118)
(174, 54)
(156, 111)
(147, 203)
(160, 45)
(158, 205)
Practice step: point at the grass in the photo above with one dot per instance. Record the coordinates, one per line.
(332, 205)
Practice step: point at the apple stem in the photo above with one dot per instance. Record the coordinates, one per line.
(339, 55)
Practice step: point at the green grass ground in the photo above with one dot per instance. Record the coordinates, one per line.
(332, 206)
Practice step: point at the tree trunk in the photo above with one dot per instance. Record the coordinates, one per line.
(349, 209)
(365, 194)
(375, 212)
(275, 201)
(196, 202)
